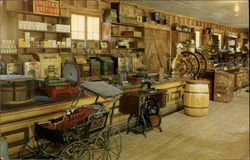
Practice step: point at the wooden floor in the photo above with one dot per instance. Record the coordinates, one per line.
(221, 135)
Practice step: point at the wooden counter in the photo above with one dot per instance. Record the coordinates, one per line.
(17, 124)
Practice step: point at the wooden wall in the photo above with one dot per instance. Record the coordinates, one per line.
(157, 37)
(97, 7)
(157, 51)
(3, 19)
(194, 22)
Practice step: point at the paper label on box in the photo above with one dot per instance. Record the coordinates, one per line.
(32, 69)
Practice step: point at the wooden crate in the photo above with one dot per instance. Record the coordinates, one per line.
(124, 9)
(245, 78)
(126, 12)
(223, 87)
(239, 80)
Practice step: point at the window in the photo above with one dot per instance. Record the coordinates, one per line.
(197, 39)
(85, 27)
(93, 31)
(78, 27)
(219, 38)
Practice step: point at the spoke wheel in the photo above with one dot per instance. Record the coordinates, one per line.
(30, 149)
(76, 150)
(49, 149)
(152, 107)
(195, 63)
(153, 110)
(183, 67)
(203, 63)
(41, 149)
(108, 146)
(190, 68)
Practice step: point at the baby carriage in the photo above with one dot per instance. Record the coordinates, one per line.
(81, 133)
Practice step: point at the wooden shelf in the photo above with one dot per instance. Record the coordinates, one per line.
(2, 54)
(37, 14)
(183, 31)
(127, 48)
(54, 32)
(120, 36)
(130, 25)
(94, 78)
(42, 48)
(93, 54)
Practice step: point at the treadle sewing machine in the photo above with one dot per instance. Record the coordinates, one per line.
(144, 108)
(55, 86)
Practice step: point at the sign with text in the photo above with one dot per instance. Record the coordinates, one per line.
(48, 7)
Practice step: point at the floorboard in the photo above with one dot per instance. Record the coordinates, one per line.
(222, 134)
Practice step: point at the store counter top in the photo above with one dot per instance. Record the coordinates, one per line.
(17, 123)
(41, 101)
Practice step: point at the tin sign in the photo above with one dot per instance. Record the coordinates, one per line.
(48, 7)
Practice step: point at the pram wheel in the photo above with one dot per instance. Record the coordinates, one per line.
(30, 149)
(108, 145)
(76, 150)
(33, 148)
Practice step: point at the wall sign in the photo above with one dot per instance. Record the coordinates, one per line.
(48, 7)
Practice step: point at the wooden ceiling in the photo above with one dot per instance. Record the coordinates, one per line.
(220, 11)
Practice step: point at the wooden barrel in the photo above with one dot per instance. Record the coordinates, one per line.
(210, 87)
(196, 98)
(16, 89)
(9, 94)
